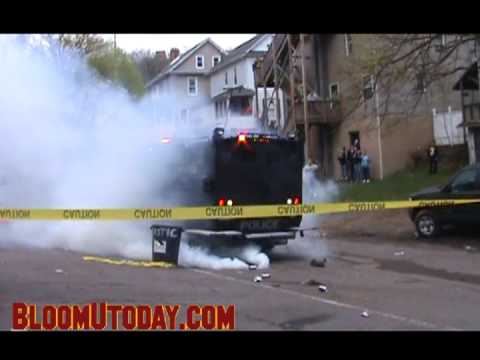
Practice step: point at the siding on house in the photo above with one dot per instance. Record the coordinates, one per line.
(174, 85)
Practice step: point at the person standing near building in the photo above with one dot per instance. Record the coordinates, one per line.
(433, 157)
(342, 159)
(349, 163)
(357, 158)
(365, 164)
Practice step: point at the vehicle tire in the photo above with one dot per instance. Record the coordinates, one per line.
(427, 224)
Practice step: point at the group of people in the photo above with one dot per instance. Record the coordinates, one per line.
(355, 164)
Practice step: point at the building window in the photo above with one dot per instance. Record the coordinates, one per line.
(235, 75)
(192, 86)
(368, 87)
(440, 42)
(215, 60)
(334, 91)
(420, 85)
(226, 78)
(200, 62)
(354, 138)
(443, 40)
(348, 44)
(183, 115)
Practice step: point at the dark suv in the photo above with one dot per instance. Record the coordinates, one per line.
(464, 185)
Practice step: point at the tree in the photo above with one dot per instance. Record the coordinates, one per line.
(150, 64)
(403, 66)
(87, 43)
(119, 67)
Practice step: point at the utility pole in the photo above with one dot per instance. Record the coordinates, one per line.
(115, 42)
(305, 104)
(275, 77)
(292, 82)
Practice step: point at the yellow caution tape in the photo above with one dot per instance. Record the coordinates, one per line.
(105, 260)
(223, 212)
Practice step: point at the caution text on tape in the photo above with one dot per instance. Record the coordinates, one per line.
(220, 212)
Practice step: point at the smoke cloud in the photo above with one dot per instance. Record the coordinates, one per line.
(70, 140)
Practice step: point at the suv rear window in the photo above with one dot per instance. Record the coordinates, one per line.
(465, 181)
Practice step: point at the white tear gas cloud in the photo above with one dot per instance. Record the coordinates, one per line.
(313, 245)
(222, 258)
(70, 140)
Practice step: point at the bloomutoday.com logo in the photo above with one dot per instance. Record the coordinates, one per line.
(104, 316)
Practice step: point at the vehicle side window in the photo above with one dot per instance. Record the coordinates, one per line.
(465, 181)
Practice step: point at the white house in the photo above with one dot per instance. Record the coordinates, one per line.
(185, 83)
(232, 84)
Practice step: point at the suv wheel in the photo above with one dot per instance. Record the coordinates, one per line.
(426, 224)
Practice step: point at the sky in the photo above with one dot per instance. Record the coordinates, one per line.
(154, 42)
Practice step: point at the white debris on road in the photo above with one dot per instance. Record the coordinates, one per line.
(323, 288)
(257, 279)
(58, 271)
(265, 276)
(365, 314)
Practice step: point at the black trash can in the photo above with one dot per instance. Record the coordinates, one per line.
(165, 243)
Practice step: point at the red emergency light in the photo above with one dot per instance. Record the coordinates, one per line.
(296, 200)
(242, 139)
(223, 202)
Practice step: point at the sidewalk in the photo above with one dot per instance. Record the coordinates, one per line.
(393, 224)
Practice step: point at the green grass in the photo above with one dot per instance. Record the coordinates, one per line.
(394, 187)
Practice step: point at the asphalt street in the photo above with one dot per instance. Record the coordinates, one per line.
(403, 284)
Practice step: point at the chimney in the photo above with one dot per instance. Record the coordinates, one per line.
(174, 53)
(161, 55)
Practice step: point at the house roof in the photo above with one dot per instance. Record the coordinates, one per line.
(238, 91)
(181, 59)
(240, 52)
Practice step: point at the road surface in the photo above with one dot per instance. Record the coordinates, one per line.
(403, 284)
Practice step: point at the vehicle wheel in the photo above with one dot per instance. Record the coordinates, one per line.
(426, 224)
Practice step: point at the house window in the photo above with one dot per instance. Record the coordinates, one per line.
(420, 85)
(334, 91)
(192, 86)
(444, 40)
(235, 75)
(226, 78)
(183, 115)
(215, 60)
(348, 44)
(441, 42)
(368, 87)
(200, 62)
